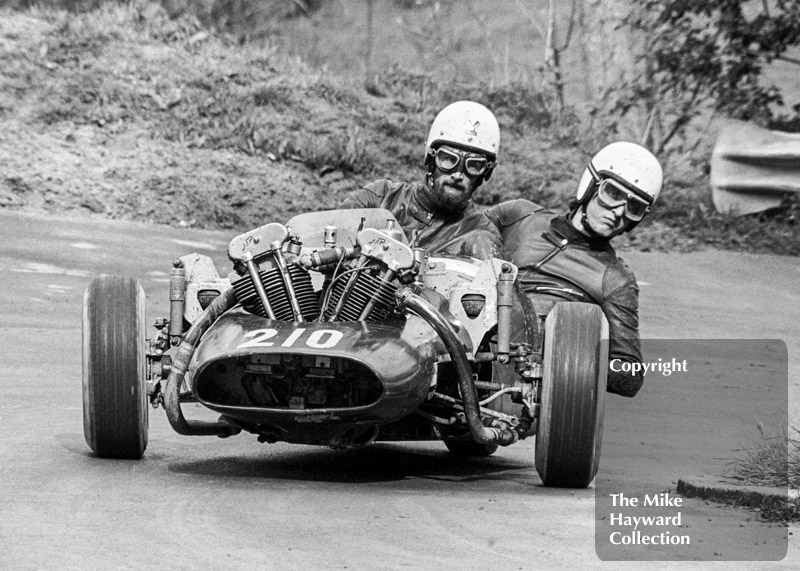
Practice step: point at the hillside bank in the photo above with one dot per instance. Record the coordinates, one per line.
(125, 113)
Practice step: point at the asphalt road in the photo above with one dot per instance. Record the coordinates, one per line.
(207, 503)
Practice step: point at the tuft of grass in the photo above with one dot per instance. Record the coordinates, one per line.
(773, 461)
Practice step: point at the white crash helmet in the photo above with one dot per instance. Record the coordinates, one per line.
(628, 163)
(466, 124)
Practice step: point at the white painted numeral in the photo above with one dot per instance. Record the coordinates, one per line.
(260, 338)
(315, 339)
(293, 337)
(320, 339)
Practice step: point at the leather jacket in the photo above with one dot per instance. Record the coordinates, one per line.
(468, 233)
(586, 270)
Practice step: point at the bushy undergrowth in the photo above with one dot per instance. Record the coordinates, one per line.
(132, 68)
(686, 220)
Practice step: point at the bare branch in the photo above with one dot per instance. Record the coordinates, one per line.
(788, 59)
(551, 29)
(570, 28)
(683, 118)
(370, 40)
(649, 126)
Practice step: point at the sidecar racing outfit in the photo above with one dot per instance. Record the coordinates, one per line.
(582, 269)
(467, 233)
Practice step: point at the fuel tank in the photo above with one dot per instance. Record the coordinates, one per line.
(298, 381)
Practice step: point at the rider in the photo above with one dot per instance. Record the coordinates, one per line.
(618, 188)
(460, 154)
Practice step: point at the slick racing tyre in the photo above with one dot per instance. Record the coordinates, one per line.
(575, 367)
(115, 404)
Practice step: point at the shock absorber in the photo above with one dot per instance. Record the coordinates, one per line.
(505, 301)
(177, 300)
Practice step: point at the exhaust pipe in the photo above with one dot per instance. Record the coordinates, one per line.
(480, 433)
(180, 364)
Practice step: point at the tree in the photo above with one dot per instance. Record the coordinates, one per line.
(553, 50)
(693, 56)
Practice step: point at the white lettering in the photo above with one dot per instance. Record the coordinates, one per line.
(638, 538)
(663, 500)
(666, 368)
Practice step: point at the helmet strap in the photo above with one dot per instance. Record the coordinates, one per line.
(580, 206)
(631, 225)
(587, 229)
(580, 209)
(429, 176)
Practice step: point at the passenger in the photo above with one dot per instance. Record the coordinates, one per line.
(618, 188)
(460, 154)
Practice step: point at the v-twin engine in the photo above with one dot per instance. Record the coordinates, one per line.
(359, 284)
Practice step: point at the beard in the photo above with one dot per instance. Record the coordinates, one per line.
(447, 200)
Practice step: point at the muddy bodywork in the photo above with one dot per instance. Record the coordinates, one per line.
(308, 382)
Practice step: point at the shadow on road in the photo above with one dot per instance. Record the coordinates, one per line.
(375, 463)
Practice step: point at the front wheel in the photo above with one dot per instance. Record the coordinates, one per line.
(115, 407)
(575, 367)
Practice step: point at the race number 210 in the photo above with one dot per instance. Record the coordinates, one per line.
(319, 339)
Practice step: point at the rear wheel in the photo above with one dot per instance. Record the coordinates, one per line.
(575, 367)
(115, 407)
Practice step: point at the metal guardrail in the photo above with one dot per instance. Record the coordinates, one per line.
(752, 168)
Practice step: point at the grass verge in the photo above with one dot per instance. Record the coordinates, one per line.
(773, 462)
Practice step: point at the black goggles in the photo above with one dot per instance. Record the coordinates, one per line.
(612, 194)
(447, 160)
